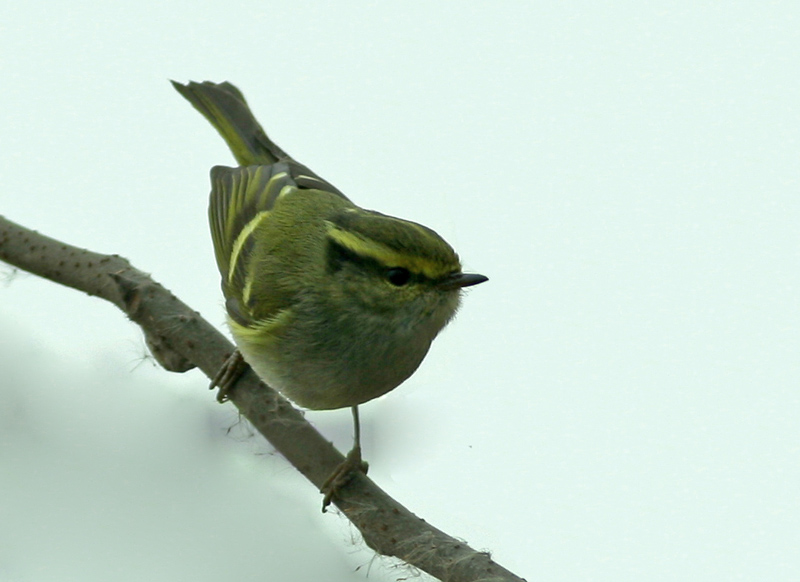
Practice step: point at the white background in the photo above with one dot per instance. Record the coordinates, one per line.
(619, 402)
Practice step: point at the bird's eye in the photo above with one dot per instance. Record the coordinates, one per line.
(398, 276)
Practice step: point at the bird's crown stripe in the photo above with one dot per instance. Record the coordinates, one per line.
(386, 256)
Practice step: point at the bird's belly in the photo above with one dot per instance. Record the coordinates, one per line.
(341, 375)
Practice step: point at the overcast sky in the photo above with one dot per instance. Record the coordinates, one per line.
(619, 402)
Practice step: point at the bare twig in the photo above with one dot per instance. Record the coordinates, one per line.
(181, 339)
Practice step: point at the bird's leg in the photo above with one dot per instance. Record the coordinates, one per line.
(228, 374)
(353, 463)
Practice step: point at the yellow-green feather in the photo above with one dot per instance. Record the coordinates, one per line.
(241, 198)
(260, 332)
(241, 238)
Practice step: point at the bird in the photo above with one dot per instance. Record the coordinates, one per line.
(330, 304)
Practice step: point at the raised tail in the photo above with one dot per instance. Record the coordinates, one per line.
(224, 106)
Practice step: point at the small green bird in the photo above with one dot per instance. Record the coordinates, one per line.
(332, 305)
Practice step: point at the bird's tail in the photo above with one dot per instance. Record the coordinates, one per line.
(224, 106)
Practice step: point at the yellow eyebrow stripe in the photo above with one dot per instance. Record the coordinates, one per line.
(385, 255)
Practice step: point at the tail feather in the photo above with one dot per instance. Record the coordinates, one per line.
(224, 106)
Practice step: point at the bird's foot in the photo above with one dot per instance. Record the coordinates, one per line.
(352, 464)
(228, 374)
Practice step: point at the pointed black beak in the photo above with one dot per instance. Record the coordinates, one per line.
(460, 280)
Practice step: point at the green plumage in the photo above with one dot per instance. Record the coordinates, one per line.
(224, 106)
(241, 195)
(331, 304)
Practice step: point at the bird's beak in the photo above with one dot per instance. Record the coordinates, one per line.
(460, 280)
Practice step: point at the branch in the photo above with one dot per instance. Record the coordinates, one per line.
(180, 339)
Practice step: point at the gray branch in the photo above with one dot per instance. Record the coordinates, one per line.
(180, 339)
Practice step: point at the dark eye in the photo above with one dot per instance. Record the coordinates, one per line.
(398, 276)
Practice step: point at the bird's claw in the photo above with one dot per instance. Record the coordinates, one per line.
(352, 464)
(228, 374)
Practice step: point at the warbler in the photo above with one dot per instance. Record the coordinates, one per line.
(332, 305)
